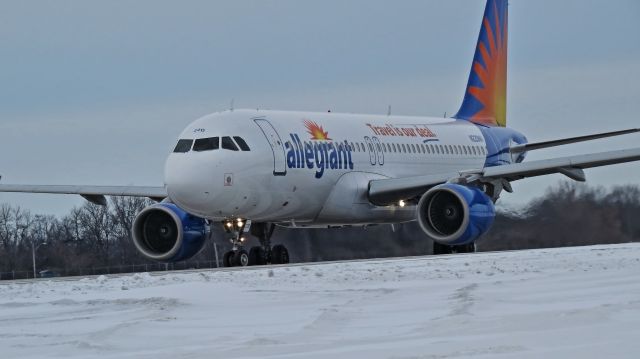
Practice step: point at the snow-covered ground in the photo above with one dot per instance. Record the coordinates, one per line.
(572, 302)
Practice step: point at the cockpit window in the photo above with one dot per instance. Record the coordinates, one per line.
(243, 145)
(183, 146)
(228, 144)
(206, 144)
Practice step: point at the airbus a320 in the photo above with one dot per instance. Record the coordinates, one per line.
(253, 170)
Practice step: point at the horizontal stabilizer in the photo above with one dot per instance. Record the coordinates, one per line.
(565, 141)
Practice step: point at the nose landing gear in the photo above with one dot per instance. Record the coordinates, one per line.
(258, 255)
(237, 256)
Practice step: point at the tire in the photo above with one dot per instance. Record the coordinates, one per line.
(227, 260)
(468, 248)
(241, 258)
(446, 249)
(439, 249)
(279, 254)
(256, 256)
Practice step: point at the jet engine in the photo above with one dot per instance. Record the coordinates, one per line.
(164, 232)
(453, 214)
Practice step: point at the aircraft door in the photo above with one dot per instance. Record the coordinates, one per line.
(277, 147)
(372, 150)
(380, 150)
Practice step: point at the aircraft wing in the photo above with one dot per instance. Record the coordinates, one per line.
(94, 194)
(388, 191)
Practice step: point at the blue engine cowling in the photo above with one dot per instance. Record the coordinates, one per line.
(164, 232)
(453, 214)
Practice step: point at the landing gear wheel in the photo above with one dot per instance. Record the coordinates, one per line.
(279, 254)
(241, 258)
(447, 249)
(256, 256)
(227, 260)
(467, 248)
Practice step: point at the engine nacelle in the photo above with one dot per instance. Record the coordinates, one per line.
(164, 232)
(453, 214)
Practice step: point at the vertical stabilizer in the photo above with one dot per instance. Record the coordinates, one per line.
(485, 100)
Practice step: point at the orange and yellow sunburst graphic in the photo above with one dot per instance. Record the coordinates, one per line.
(493, 74)
(316, 131)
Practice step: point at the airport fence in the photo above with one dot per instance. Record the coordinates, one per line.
(128, 268)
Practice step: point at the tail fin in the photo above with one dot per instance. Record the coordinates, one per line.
(485, 100)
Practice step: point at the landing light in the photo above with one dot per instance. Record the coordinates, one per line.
(401, 203)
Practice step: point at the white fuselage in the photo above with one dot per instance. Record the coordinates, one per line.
(313, 169)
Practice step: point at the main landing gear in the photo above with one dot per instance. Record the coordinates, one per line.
(447, 249)
(257, 255)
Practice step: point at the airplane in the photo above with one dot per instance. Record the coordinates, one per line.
(251, 171)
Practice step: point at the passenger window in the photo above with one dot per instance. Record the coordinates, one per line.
(228, 144)
(206, 144)
(183, 146)
(242, 143)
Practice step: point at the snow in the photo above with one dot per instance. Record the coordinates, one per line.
(554, 303)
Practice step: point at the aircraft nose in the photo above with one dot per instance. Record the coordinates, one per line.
(187, 183)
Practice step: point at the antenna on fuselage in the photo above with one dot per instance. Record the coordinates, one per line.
(389, 111)
(231, 105)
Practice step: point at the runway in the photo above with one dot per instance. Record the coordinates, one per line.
(566, 302)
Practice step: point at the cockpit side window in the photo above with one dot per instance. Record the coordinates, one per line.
(206, 144)
(228, 144)
(183, 146)
(241, 142)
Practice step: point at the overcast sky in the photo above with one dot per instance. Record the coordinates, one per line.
(97, 92)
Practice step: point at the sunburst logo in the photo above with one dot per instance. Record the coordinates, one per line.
(493, 74)
(316, 131)
(485, 100)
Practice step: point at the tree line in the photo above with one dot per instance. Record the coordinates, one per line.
(91, 236)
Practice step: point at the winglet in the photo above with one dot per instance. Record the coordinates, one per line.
(485, 99)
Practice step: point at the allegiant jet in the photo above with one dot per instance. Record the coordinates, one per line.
(252, 171)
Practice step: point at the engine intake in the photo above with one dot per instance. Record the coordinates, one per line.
(164, 232)
(452, 214)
